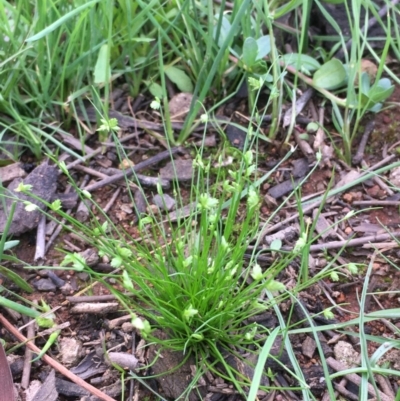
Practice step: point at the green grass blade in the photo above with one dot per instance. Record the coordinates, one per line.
(60, 21)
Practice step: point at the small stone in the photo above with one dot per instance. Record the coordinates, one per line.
(308, 347)
(164, 202)
(83, 276)
(44, 284)
(345, 354)
(55, 279)
(127, 327)
(126, 209)
(179, 105)
(91, 256)
(70, 351)
(347, 198)
(180, 170)
(348, 230)
(67, 289)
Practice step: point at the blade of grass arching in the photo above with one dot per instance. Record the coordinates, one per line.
(51, 138)
(208, 73)
(305, 15)
(363, 178)
(191, 22)
(6, 303)
(61, 21)
(369, 317)
(306, 250)
(165, 115)
(366, 376)
(321, 354)
(299, 376)
(16, 278)
(377, 58)
(381, 66)
(259, 369)
(334, 25)
(7, 227)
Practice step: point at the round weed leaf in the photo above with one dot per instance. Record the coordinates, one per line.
(301, 61)
(331, 75)
(179, 78)
(264, 46)
(385, 83)
(155, 89)
(276, 245)
(250, 51)
(379, 94)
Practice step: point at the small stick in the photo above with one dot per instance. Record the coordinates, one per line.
(298, 106)
(26, 372)
(304, 147)
(140, 166)
(142, 179)
(83, 209)
(112, 200)
(354, 242)
(91, 298)
(53, 363)
(357, 158)
(294, 216)
(378, 180)
(84, 158)
(385, 386)
(327, 396)
(40, 239)
(348, 394)
(354, 378)
(376, 203)
(90, 171)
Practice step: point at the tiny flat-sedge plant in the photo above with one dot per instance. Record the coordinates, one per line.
(190, 277)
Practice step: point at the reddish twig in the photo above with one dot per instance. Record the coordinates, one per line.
(53, 363)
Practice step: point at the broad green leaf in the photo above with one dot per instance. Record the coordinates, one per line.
(225, 30)
(274, 285)
(331, 75)
(300, 61)
(365, 101)
(276, 245)
(102, 68)
(10, 244)
(179, 78)
(376, 109)
(61, 21)
(155, 89)
(378, 94)
(250, 51)
(264, 46)
(334, 1)
(384, 83)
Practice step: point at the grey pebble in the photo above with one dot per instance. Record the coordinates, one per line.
(44, 284)
(164, 201)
